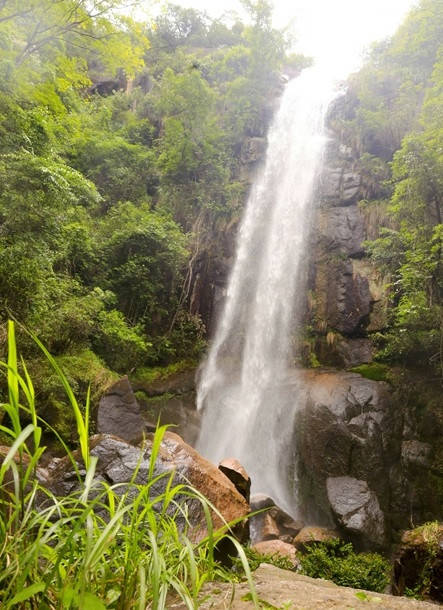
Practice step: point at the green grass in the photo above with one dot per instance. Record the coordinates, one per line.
(104, 546)
(151, 374)
(373, 370)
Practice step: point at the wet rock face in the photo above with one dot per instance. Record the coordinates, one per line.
(345, 301)
(117, 461)
(349, 294)
(341, 230)
(347, 440)
(340, 185)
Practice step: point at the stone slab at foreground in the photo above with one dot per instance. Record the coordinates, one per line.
(284, 589)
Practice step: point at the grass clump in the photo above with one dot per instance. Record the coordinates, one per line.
(424, 547)
(149, 375)
(105, 546)
(373, 370)
(336, 560)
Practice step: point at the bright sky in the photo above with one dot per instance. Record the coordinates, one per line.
(338, 29)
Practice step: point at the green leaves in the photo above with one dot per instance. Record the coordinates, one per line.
(27, 593)
(336, 561)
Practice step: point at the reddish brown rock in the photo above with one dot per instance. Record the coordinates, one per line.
(235, 472)
(272, 522)
(210, 481)
(277, 547)
(309, 535)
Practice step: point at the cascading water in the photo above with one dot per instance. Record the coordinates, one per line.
(246, 413)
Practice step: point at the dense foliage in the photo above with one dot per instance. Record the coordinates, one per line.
(335, 560)
(120, 156)
(393, 120)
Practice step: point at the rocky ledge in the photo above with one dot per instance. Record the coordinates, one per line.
(282, 589)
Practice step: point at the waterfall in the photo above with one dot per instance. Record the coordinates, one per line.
(248, 412)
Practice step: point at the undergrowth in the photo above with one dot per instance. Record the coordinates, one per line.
(106, 546)
(336, 560)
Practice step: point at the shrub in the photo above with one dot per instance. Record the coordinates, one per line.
(335, 560)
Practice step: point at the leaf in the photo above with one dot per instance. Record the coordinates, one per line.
(27, 592)
(92, 602)
(112, 596)
(362, 596)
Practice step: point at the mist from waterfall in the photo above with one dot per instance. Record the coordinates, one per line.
(247, 412)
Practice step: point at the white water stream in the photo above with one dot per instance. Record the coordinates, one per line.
(247, 412)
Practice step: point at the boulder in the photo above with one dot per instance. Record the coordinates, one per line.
(119, 413)
(311, 534)
(277, 547)
(170, 400)
(356, 508)
(235, 472)
(117, 461)
(273, 523)
(277, 588)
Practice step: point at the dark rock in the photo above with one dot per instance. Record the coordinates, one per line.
(107, 87)
(338, 351)
(179, 411)
(341, 230)
(261, 501)
(348, 429)
(117, 461)
(171, 401)
(343, 298)
(119, 413)
(253, 150)
(356, 508)
(355, 351)
(309, 535)
(416, 452)
(340, 186)
(235, 472)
